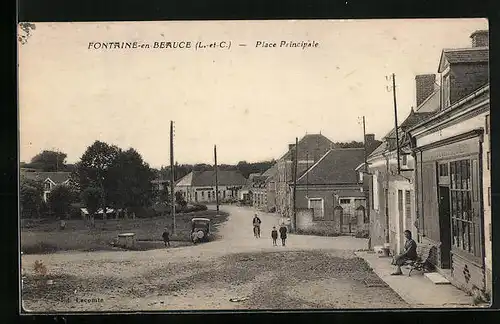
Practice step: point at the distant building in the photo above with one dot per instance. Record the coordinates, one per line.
(160, 184)
(199, 186)
(330, 193)
(49, 179)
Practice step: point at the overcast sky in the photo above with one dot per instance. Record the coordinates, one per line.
(251, 102)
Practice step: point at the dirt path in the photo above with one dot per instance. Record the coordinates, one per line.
(203, 276)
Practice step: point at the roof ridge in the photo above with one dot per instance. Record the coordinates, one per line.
(477, 48)
(315, 164)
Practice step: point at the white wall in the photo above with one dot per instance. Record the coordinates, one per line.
(460, 128)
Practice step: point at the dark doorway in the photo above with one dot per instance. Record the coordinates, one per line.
(445, 226)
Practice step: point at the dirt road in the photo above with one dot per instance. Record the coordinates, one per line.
(310, 272)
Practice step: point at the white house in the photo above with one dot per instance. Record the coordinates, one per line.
(199, 186)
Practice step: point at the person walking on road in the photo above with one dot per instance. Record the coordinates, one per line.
(283, 231)
(256, 226)
(166, 237)
(274, 236)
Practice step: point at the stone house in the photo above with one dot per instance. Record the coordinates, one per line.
(332, 192)
(310, 149)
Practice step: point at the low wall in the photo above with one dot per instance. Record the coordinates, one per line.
(305, 222)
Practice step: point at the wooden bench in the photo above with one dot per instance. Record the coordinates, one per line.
(424, 254)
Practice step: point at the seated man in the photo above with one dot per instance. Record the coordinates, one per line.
(410, 253)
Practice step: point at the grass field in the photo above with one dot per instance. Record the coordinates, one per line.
(46, 237)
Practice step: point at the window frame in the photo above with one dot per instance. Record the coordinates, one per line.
(345, 199)
(464, 223)
(322, 207)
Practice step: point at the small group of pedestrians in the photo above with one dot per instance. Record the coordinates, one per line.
(274, 233)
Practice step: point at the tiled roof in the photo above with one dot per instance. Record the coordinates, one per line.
(310, 146)
(381, 148)
(56, 177)
(389, 143)
(467, 55)
(225, 178)
(335, 167)
(414, 118)
(464, 55)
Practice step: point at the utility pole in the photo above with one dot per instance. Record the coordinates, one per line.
(172, 175)
(295, 184)
(396, 120)
(367, 197)
(307, 175)
(216, 179)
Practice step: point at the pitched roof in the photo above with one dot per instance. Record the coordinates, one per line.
(337, 166)
(207, 178)
(56, 177)
(463, 55)
(414, 118)
(411, 120)
(311, 145)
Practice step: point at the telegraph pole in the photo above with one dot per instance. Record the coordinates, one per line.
(172, 175)
(216, 179)
(295, 184)
(307, 175)
(396, 120)
(367, 198)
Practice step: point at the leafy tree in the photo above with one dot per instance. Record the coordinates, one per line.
(130, 178)
(60, 200)
(91, 197)
(179, 199)
(93, 168)
(48, 161)
(31, 198)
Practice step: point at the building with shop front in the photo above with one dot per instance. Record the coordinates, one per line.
(451, 149)
(200, 186)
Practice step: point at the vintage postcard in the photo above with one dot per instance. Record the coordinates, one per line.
(254, 165)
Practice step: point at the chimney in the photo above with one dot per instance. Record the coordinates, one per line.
(369, 138)
(425, 84)
(480, 38)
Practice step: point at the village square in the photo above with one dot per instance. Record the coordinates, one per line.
(324, 224)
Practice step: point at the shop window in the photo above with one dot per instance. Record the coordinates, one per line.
(443, 170)
(464, 233)
(345, 201)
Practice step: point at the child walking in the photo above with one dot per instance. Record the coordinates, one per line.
(166, 237)
(274, 236)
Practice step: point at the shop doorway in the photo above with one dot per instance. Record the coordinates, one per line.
(445, 226)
